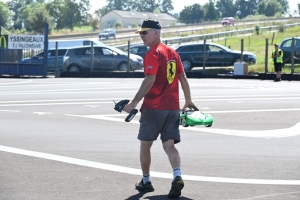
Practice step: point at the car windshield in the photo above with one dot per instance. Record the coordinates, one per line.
(119, 51)
(105, 31)
(97, 42)
(223, 47)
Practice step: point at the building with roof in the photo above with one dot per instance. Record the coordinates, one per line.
(130, 19)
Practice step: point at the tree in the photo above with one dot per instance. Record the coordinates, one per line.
(71, 14)
(94, 22)
(141, 5)
(56, 9)
(5, 15)
(261, 8)
(84, 8)
(211, 12)
(166, 6)
(101, 11)
(149, 5)
(246, 7)
(38, 19)
(273, 7)
(118, 4)
(285, 6)
(192, 14)
(15, 6)
(225, 8)
(26, 11)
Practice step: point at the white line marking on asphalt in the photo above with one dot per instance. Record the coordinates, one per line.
(93, 101)
(65, 91)
(1, 84)
(38, 84)
(42, 113)
(133, 171)
(51, 104)
(275, 133)
(9, 110)
(271, 195)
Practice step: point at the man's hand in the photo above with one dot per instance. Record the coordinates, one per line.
(129, 107)
(189, 105)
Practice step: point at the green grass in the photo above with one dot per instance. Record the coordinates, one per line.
(257, 44)
(77, 30)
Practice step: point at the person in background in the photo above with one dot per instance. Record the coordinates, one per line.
(277, 56)
(160, 108)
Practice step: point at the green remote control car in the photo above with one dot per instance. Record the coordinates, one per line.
(193, 117)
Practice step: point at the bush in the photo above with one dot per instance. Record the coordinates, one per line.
(118, 24)
(281, 28)
(257, 29)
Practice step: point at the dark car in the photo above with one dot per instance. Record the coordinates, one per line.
(216, 55)
(138, 49)
(286, 47)
(107, 33)
(105, 59)
(39, 59)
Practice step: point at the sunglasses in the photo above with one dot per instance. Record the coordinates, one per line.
(144, 32)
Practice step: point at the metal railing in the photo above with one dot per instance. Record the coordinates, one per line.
(180, 40)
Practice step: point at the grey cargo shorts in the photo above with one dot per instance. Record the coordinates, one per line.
(163, 122)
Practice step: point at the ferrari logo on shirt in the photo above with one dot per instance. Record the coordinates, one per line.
(171, 71)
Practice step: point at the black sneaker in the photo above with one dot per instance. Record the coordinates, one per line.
(277, 80)
(147, 187)
(176, 188)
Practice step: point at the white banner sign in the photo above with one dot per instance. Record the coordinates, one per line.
(25, 41)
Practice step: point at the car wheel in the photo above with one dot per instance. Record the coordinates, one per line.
(187, 64)
(73, 68)
(123, 67)
(183, 122)
(209, 125)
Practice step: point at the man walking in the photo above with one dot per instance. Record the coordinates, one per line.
(160, 109)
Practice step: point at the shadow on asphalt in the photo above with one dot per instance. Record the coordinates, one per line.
(157, 197)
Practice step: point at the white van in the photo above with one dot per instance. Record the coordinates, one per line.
(73, 43)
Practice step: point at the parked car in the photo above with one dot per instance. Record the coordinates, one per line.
(216, 55)
(228, 21)
(107, 33)
(39, 59)
(105, 59)
(138, 49)
(286, 47)
(73, 43)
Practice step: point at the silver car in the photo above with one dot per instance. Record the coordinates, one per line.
(105, 58)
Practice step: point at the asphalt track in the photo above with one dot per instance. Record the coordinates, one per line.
(61, 139)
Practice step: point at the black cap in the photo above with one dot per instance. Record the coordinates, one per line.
(149, 24)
